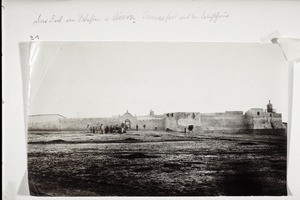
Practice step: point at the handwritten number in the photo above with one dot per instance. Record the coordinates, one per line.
(34, 37)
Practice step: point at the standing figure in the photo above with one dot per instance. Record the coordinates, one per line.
(88, 126)
(101, 128)
(144, 126)
(117, 128)
(156, 127)
(137, 127)
(123, 127)
(106, 129)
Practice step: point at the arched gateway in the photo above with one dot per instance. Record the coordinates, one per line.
(128, 123)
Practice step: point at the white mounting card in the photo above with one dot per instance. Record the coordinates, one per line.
(147, 21)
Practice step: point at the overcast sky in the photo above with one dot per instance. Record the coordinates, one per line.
(101, 79)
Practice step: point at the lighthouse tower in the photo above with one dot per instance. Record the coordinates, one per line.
(270, 107)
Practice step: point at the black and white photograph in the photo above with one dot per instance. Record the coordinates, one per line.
(156, 119)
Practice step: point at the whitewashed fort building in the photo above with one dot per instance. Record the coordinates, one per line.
(255, 118)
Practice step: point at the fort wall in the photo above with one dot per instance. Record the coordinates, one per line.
(222, 122)
(150, 124)
(44, 122)
(72, 124)
(255, 118)
(205, 122)
(80, 124)
(47, 125)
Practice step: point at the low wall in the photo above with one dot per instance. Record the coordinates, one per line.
(150, 124)
(44, 122)
(77, 124)
(46, 125)
(81, 123)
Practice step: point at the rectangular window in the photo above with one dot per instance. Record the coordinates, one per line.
(257, 113)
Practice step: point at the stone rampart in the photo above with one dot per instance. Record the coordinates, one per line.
(222, 122)
(204, 122)
(150, 124)
(44, 122)
(81, 123)
(46, 125)
(72, 124)
(255, 118)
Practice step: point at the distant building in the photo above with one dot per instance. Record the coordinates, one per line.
(255, 118)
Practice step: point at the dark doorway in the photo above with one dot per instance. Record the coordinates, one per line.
(190, 127)
(128, 123)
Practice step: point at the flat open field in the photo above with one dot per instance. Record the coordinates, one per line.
(156, 163)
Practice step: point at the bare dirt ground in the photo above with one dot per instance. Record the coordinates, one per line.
(157, 163)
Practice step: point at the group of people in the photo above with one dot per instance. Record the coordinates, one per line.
(105, 129)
